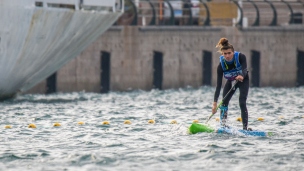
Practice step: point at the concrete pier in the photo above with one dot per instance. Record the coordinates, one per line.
(132, 50)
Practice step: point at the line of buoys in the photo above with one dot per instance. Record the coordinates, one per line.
(240, 119)
(217, 119)
(128, 122)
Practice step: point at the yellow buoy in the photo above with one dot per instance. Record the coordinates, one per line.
(217, 119)
(281, 117)
(80, 123)
(128, 122)
(105, 123)
(260, 119)
(239, 119)
(31, 126)
(56, 124)
(195, 121)
(173, 122)
(151, 121)
(8, 127)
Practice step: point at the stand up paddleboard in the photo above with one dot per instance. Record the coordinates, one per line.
(196, 128)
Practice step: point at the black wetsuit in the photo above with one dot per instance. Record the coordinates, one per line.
(243, 86)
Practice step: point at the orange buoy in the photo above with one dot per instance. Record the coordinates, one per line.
(173, 122)
(31, 126)
(8, 127)
(105, 123)
(239, 119)
(56, 124)
(195, 121)
(80, 123)
(151, 121)
(128, 122)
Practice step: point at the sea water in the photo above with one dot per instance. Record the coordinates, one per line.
(144, 146)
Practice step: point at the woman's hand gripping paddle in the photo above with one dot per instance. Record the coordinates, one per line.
(232, 88)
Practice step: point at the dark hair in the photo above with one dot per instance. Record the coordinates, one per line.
(223, 44)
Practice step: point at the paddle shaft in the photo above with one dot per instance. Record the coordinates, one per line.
(222, 101)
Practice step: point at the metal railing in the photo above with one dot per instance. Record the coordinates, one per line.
(243, 13)
(99, 5)
(272, 13)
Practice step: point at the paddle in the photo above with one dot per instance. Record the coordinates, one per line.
(232, 88)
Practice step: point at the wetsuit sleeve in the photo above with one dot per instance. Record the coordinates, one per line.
(243, 62)
(218, 82)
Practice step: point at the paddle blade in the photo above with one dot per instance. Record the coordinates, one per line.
(196, 128)
(270, 134)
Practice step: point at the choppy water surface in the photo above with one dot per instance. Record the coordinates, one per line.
(143, 146)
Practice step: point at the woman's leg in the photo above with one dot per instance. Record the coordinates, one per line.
(244, 88)
(227, 88)
(224, 106)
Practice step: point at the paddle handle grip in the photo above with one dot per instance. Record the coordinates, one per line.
(218, 106)
(222, 100)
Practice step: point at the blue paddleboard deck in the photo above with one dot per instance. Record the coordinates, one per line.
(197, 128)
(229, 130)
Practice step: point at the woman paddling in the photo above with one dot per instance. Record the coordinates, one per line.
(233, 67)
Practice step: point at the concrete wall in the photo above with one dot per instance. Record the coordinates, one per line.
(132, 50)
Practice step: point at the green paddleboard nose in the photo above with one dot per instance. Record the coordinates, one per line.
(196, 128)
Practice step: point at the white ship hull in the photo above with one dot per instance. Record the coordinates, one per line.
(36, 41)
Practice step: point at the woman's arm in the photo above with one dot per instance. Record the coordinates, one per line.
(243, 62)
(218, 87)
(218, 82)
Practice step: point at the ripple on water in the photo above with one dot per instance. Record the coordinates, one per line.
(143, 146)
